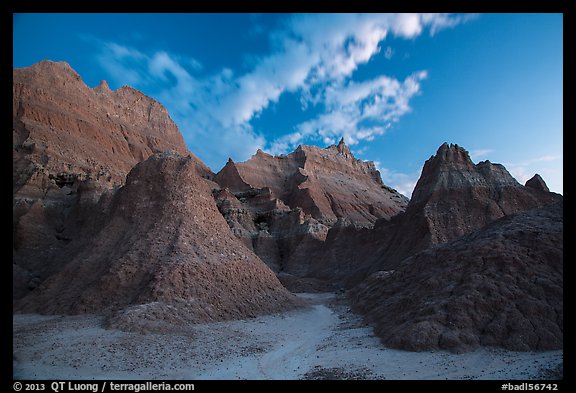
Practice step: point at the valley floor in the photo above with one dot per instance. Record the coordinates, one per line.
(322, 341)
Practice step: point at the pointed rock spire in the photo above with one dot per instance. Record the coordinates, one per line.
(452, 169)
(537, 183)
(260, 153)
(452, 153)
(344, 149)
(103, 87)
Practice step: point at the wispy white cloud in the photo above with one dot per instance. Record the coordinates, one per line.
(439, 22)
(477, 154)
(549, 166)
(520, 173)
(355, 111)
(123, 64)
(359, 151)
(313, 55)
(404, 183)
(531, 161)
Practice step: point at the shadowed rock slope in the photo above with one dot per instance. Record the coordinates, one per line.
(71, 145)
(162, 256)
(452, 198)
(499, 286)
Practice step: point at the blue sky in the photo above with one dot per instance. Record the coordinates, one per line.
(395, 86)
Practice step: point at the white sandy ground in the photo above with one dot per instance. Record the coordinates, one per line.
(324, 340)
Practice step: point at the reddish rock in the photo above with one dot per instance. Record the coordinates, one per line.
(280, 236)
(456, 197)
(162, 253)
(499, 286)
(283, 206)
(326, 184)
(71, 145)
(68, 127)
(475, 258)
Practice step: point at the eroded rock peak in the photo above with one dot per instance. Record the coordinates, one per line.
(537, 183)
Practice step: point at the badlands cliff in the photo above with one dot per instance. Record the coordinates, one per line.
(71, 144)
(113, 215)
(452, 198)
(283, 206)
(161, 253)
(149, 249)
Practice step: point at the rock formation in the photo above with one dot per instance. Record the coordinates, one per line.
(499, 286)
(452, 198)
(327, 184)
(72, 144)
(283, 206)
(160, 254)
(280, 236)
(537, 183)
(81, 131)
(112, 214)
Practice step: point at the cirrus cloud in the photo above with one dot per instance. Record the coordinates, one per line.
(355, 111)
(313, 56)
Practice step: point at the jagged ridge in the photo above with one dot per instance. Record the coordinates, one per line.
(452, 198)
(283, 206)
(328, 184)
